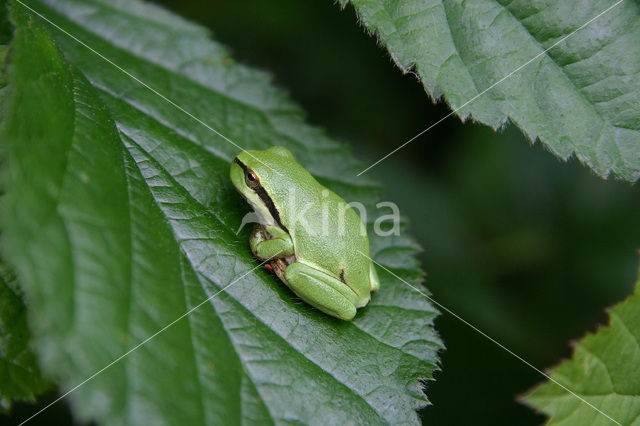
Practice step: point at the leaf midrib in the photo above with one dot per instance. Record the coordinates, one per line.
(454, 42)
(130, 276)
(56, 203)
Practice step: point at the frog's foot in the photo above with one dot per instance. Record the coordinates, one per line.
(270, 242)
(321, 290)
(373, 277)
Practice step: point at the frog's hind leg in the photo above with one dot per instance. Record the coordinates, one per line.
(373, 277)
(321, 290)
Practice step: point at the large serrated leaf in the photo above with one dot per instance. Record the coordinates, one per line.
(120, 217)
(604, 370)
(580, 97)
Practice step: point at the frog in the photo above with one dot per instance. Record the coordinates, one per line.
(309, 237)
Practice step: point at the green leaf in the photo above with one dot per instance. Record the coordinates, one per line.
(581, 97)
(3, 83)
(5, 24)
(604, 370)
(19, 373)
(120, 217)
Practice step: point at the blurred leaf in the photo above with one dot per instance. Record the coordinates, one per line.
(582, 96)
(5, 24)
(3, 82)
(604, 370)
(19, 373)
(120, 217)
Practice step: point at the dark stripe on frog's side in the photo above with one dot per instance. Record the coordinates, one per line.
(266, 199)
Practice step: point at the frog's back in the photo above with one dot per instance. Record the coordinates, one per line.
(329, 235)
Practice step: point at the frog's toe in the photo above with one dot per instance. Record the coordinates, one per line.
(373, 278)
(363, 302)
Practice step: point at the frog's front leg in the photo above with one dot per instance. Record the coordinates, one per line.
(269, 242)
(321, 290)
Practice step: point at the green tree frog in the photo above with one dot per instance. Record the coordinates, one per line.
(316, 242)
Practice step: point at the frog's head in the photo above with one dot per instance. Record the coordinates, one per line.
(259, 176)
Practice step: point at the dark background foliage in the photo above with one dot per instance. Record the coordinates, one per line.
(527, 248)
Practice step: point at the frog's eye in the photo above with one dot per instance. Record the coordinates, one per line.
(251, 179)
